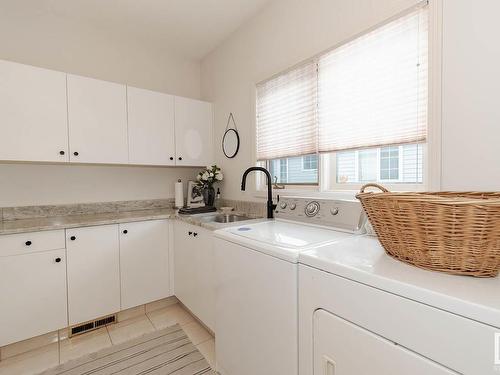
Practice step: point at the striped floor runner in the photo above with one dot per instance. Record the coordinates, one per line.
(168, 351)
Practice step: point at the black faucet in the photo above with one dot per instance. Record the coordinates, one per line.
(270, 205)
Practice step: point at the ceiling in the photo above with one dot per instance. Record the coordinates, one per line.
(191, 27)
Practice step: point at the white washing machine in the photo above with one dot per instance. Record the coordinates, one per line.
(364, 313)
(256, 282)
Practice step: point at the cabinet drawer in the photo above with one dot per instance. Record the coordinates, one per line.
(25, 243)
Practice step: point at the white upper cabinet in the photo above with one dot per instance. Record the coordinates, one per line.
(50, 116)
(193, 132)
(97, 113)
(33, 117)
(151, 137)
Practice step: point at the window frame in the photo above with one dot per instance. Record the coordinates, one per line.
(331, 183)
(392, 184)
(310, 161)
(266, 164)
(400, 165)
(283, 163)
(432, 151)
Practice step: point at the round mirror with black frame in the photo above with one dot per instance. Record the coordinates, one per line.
(231, 143)
(231, 139)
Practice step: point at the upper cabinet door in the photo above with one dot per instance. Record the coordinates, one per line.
(193, 132)
(150, 127)
(33, 114)
(97, 113)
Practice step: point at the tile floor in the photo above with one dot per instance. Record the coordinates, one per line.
(132, 323)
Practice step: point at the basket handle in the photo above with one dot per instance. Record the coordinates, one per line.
(380, 187)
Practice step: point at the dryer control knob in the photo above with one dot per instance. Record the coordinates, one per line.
(312, 209)
(293, 206)
(283, 205)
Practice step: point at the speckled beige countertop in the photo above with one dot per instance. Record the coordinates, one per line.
(83, 220)
(86, 220)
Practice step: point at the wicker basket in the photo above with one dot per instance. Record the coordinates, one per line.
(456, 233)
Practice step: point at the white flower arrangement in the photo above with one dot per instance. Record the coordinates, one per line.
(208, 176)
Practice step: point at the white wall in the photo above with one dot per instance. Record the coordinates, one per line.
(289, 31)
(31, 184)
(282, 35)
(471, 84)
(48, 41)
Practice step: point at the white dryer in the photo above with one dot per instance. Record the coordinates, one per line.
(256, 282)
(364, 313)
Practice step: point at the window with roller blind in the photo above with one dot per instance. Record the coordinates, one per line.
(352, 115)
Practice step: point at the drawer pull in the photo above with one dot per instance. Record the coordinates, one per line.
(28, 243)
(190, 233)
(195, 234)
(72, 238)
(58, 260)
(125, 231)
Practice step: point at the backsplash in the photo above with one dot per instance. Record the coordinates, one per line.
(255, 209)
(32, 212)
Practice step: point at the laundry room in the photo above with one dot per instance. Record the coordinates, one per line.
(241, 187)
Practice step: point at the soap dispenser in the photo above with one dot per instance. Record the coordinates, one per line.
(217, 198)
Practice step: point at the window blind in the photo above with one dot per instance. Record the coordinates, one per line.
(286, 114)
(372, 91)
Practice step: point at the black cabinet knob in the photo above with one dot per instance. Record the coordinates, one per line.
(75, 153)
(190, 233)
(195, 234)
(61, 152)
(58, 260)
(72, 238)
(171, 158)
(125, 231)
(180, 157)
(28, 243)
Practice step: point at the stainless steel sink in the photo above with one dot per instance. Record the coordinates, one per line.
(230, 218)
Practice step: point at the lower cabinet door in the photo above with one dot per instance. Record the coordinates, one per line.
(185, 283)
(343, 348)
(194, 278)
(32, 295)
(93, 272)
(205, 276)
(143, 262)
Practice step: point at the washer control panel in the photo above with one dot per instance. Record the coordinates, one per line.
(342, 214)
(312, 208)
